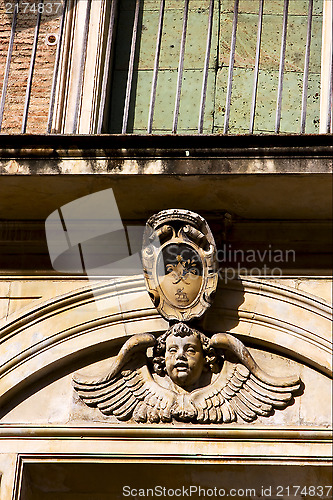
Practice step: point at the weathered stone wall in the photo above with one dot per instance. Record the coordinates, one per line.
(52, 327)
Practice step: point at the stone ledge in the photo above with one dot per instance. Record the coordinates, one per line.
(164, 146)
(232, 432)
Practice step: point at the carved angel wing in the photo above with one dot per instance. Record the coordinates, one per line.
(131, 392)
(240, 390)
(241, 394)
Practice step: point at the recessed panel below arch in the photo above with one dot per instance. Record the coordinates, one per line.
(77, 480)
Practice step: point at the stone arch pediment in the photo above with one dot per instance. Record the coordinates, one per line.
(97, 318)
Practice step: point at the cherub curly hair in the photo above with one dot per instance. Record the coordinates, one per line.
(183, 330)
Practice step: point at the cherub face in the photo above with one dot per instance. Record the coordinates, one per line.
(184, 359)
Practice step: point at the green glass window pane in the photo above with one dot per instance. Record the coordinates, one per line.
(194, 58)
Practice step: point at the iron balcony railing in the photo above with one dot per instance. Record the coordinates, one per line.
(27, 104)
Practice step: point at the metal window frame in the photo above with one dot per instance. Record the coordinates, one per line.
(81, 90)
(326, 69)
(81, 94)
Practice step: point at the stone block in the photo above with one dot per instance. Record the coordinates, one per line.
(4, 298)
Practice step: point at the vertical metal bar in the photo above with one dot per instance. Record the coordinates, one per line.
(56, 68)
(206, 66)
(330, 90)
(8, 61)
(82, 65)
(231, 68)
(106, 68)
(281, 69)
(180, 68)
(130, 68)
(326, 67)
(330, 85)
(31, 70)
(256, 67)
(155, 72)
(306, 68)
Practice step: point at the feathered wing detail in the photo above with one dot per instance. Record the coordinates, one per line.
(240, 390)
(131, 392)
(239, 393)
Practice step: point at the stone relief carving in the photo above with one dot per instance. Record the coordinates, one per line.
(189, 377)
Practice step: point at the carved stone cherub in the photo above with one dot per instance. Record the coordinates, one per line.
(190, 377)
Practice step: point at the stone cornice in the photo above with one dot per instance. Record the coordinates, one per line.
(169, 432)
(164, 146)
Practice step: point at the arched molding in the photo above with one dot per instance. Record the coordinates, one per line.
(94, 319)
(278, 317)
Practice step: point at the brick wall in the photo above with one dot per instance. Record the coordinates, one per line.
(19, 69)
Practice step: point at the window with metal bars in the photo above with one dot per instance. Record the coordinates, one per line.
(217, 66)
(166, 66)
